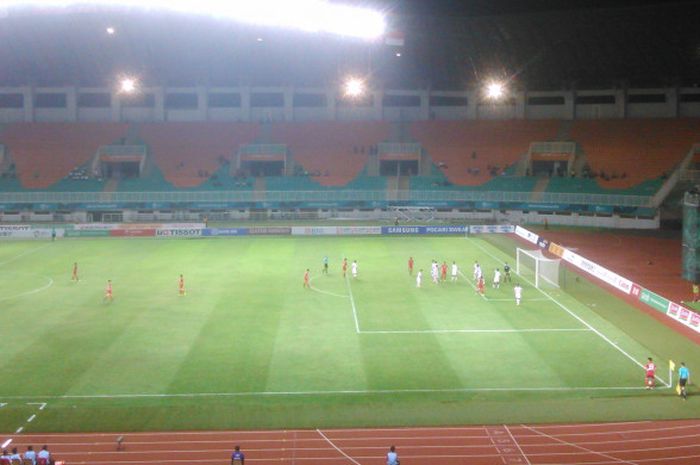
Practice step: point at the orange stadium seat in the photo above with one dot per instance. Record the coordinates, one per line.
(45, 153)
(184, 150)
(338, 149)
(465, 149)
(641, 149)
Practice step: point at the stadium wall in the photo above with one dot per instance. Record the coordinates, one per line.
(563, 105)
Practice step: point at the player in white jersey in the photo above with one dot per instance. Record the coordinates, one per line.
(419, 278)
(434, 271)
(496, 279)
(479, 274)
(455, 270)
(476, 271)
(353, 268)
(518, 291)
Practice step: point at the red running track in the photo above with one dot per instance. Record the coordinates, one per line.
(667, 442)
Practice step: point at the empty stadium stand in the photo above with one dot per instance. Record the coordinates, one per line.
(625, 153)
(189, 153)
(466, 150)
(45, 153)
(338, 151)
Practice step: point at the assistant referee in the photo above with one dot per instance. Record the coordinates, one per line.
(683, 378)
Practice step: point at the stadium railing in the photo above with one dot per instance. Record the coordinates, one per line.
(325, 196)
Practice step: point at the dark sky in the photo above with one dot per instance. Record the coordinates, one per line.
(506, 7)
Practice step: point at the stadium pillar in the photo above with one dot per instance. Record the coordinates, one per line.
(570, 105)
(116, 107)
(621, 102)
(72, 103)
(424, 105)
(691, 238)
(520, 105)
(288, 104)
(159, 107)
(245, 104)
(202, 104)
(378, 105)
(672, 102)
(28, 103)
(472, 105)
(331, 105)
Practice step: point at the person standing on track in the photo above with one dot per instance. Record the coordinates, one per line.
(392, 458)
(237, 457)
(683, 380)
(650, 373)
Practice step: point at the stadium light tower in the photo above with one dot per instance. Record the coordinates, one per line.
(354, 87)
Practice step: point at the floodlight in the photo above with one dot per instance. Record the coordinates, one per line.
(128, 85)
(354, 87)
(110, 30)
(495, 90)
(306, 15)
(398, 54)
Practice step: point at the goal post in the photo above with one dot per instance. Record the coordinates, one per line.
(535, 266)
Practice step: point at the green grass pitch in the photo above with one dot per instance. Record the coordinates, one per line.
(249, 347)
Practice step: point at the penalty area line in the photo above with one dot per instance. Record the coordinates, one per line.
(477, 331)
(574, 315)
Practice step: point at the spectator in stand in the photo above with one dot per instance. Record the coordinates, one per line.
(44, 456)
(237, 457)
(30, 455)
(15, 457)
(5, 458)
(392, 458)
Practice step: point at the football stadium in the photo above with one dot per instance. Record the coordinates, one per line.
(349, 232)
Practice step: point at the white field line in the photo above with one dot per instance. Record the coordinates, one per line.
(477, 331)
(517, 445)
(321, 291)
(48, 284)
(352, 303)
(23, 254)
(472, 285)
(581, 320)
(337, 448)
(329, 392)
(585, 449)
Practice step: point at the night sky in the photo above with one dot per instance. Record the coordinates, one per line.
(506, 7)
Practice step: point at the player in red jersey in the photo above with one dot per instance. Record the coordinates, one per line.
(443, 272)
(108, 291)
(410, 266)
(307, 283)
(480, 285)
(345, 267)
(75, 273)
(650, 374)
(181, 285)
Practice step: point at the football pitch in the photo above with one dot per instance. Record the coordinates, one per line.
(249, 347)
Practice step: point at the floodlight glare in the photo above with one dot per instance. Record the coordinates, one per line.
(111, 30)
(306, 15)
(128, 86)
(495, 90)
(354, 87)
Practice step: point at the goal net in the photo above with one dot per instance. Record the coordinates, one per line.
(535, 267)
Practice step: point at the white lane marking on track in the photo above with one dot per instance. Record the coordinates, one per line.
(575, 316)
(585, 449)
(337, 448)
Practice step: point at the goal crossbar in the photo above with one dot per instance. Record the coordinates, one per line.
(545, 270)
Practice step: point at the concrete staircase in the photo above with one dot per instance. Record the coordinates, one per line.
(539, 189)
